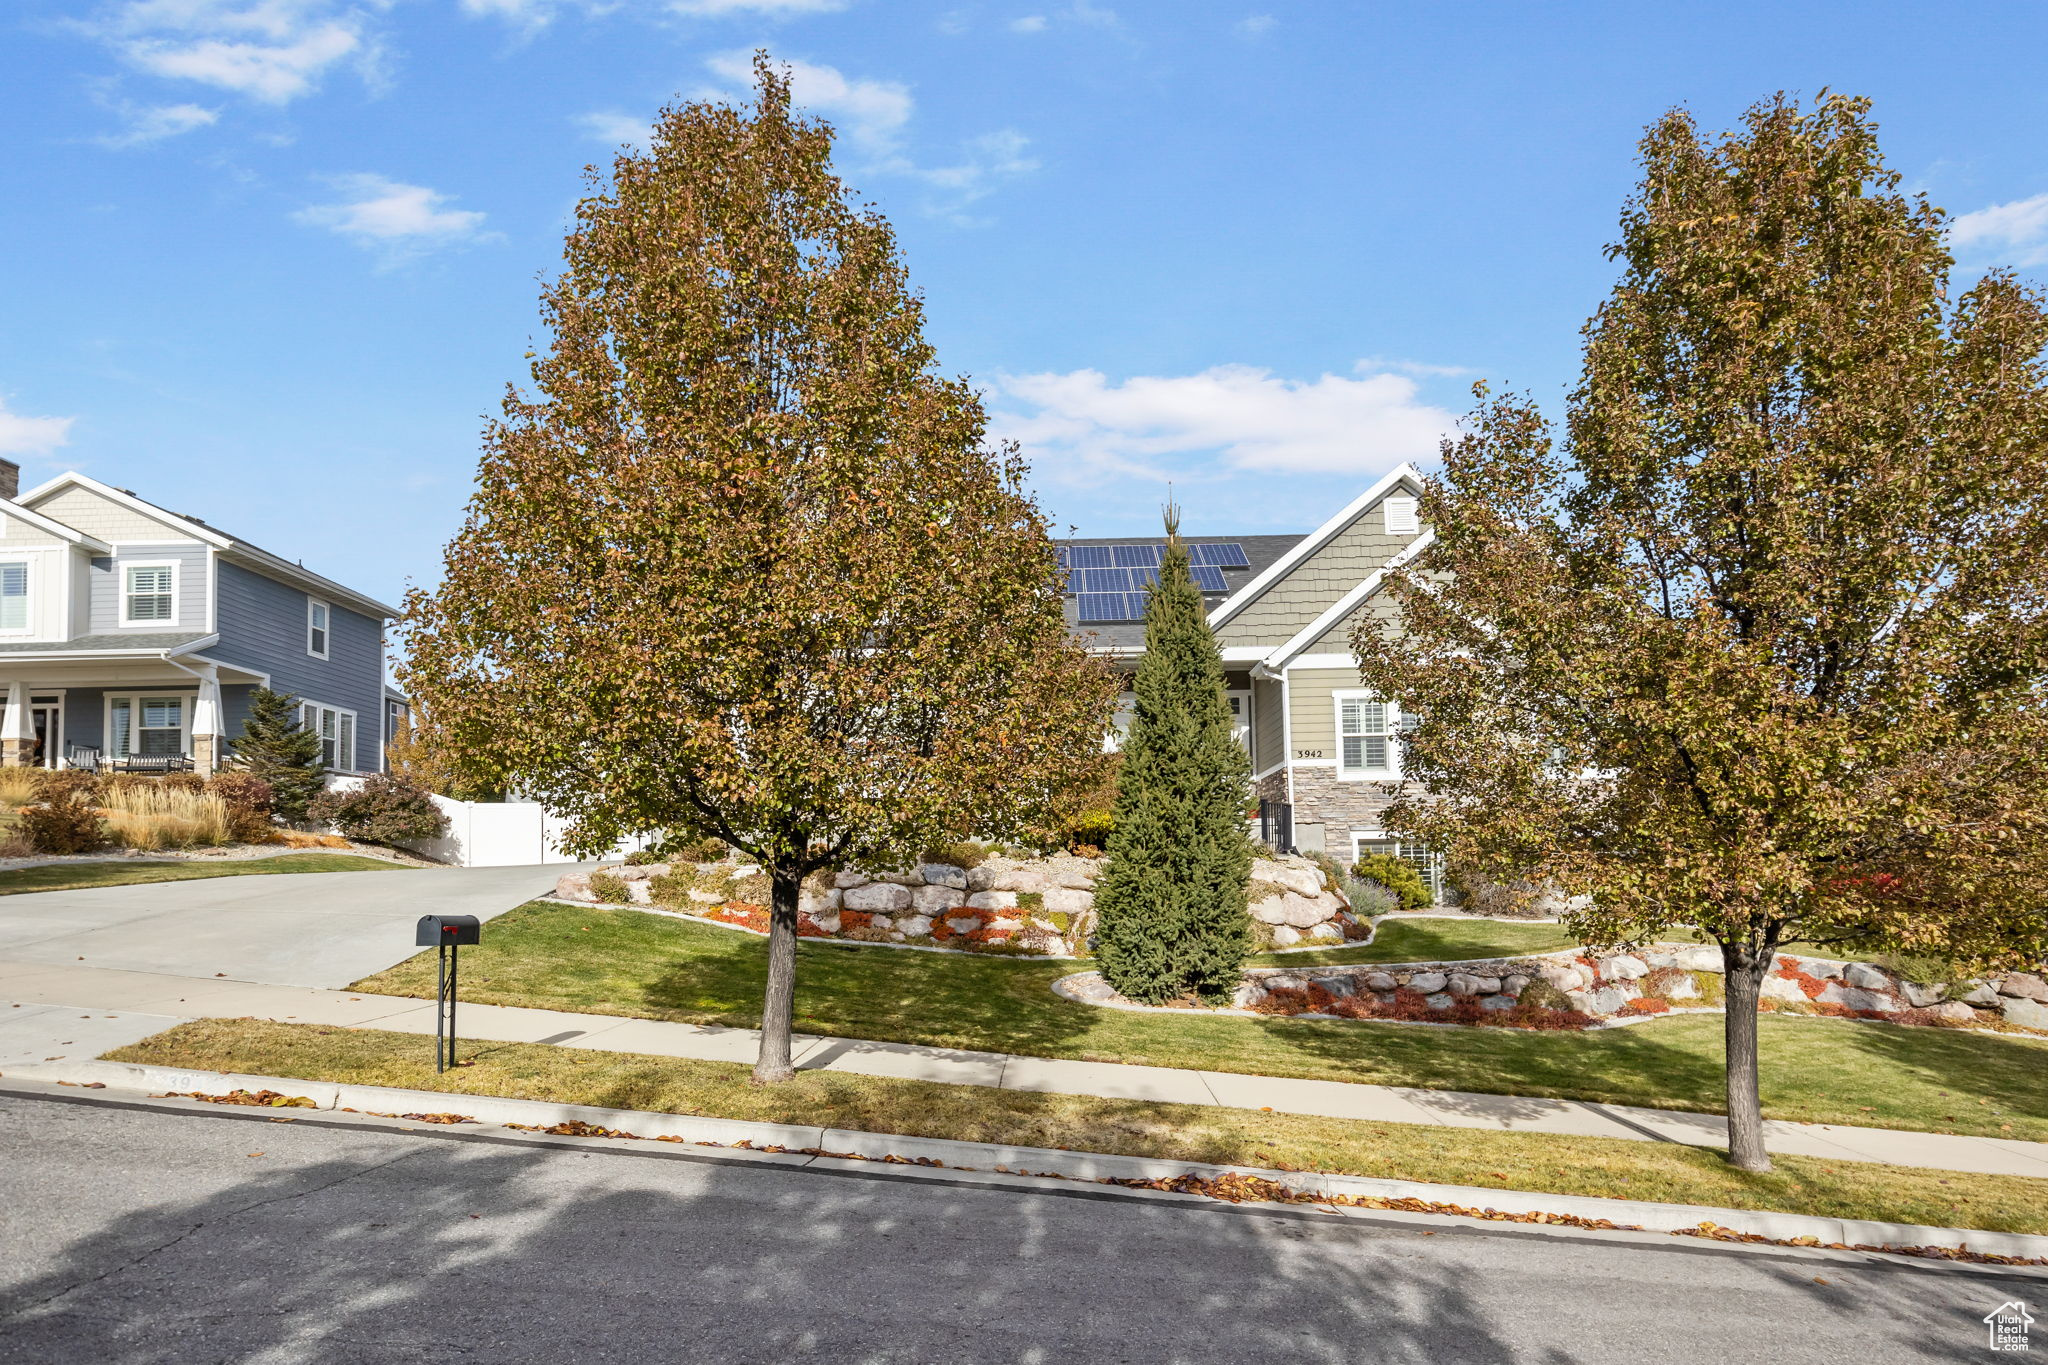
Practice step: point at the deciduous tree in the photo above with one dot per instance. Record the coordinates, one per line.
(1758, 647)
(743, 564)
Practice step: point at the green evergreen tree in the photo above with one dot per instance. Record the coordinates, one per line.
(275, 747)
(1171, 905)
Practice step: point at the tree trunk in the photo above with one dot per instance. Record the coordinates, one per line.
(778, 1003)
(1744, 970)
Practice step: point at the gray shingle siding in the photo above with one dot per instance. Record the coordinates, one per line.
(105, 588)
(262, 625)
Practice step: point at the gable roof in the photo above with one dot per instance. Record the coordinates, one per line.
(1344, 606)
(1315, 540)
(243, 552)
(51, 526)
(1123, 636)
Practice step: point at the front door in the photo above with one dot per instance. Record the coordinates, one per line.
(47, 715)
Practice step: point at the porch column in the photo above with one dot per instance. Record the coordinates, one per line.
(17, 728)
(206, 724)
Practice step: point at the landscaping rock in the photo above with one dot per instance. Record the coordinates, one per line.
(632, 872)
(963, 924)
(1068, 900)
(2024, 985)
(1303, 878)
(1622, 967)
(877, 896)
(1285, 936)
(1515, 985)
(1439, 1002)
(829, 922)
(1956, 1012)
(943, 874)
(2025, 1012)
(846, 879)
(1566, 976)
(1338, 983)
(1980, 993)
(698, 896)
(1921, 996)
(1246, 995)
(932, 900)
(1699, 960)
(881, 922)
(1077, 873)
(1270, 910)
(1006, 875)
(1498, 1002)
(574, 886)
(1005, 926)
(1467, 983)
(1858, 998)
(1380, 981)
(1427, 982)
(1606, 1000)
(639, 893)
(1776, 987)
(1685, 988)
(1867, 976)
(980, 878)
(992, 900)
(914, 926)
(1820, 969)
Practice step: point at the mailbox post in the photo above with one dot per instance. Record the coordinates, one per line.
(447, 933)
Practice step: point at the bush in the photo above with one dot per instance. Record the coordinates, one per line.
(182, 782)
(642, 857)
(248, 799)
(609, 887)
(80, 782)
(963, 854)
(384, 810)
(153, 815)
(63, 825)
(1396, 876)
(1090, 829)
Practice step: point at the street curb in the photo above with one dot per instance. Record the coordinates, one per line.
(906, 1152)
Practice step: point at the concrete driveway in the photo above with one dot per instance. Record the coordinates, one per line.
(290, 929)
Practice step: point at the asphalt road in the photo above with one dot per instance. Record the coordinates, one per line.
(140, 1235)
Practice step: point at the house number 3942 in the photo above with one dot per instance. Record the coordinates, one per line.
(1308, 753)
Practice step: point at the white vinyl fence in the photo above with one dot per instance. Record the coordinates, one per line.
(497, 833)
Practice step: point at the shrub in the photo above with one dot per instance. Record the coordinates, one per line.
(1396, 876)
(384, 810)
(641, 857)
(15, 845)
(610, 887)
(80, 782)
(182, 782)
(248, 799)
(152, 815)
(672, 889)
(65, 824)
(1090, 830)
(1541, 995)
(964, 853)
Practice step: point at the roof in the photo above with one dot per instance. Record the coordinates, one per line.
(1261, 551)
(232, 547)
(137, 642)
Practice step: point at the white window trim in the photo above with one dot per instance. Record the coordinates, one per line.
(122, 568)
(1393, 769)
(328, 630)
(348, 763)
(188, 703)
(32, 564)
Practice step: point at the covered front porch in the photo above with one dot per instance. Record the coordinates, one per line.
(155, 714)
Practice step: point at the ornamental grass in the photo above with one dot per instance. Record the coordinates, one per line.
(159, 816)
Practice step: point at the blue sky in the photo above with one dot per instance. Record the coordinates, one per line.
(270, 261)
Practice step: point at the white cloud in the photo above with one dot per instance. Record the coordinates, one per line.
(1030, 23)
(1080, 428)
(2020, 228)
(21, 435)
(157, 122)
(770, 7)
(400, 221)
(536, 14)
(873, 119)
(612, 127)
(1255, 25)
(269, 50)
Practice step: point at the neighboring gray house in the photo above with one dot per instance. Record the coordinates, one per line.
(135, 631)
(1324, 750)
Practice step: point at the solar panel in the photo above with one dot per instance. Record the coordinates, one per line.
(1089, 556)
(1103, 606)
(1220, 556)
(1137, 556)
(1134, 603)
(1105, 580)
(1209, 578)
(1061, 551)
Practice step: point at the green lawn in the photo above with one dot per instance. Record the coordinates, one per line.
(624, 962)
(1421, 940)
(1452, 1156)
(70, 876)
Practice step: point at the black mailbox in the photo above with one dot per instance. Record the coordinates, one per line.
(457, 931)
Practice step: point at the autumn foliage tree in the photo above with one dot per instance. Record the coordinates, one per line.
(1757, 648)
(743, 564)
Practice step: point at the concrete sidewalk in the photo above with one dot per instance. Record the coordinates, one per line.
(76, 1013)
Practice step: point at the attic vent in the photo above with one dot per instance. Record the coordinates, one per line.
(1401, 518)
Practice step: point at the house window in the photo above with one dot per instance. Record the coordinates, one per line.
(1240, 717)
(14, 595)
(1430, 865)
(1366, 735)
(1401, 518)
(150, 727)
(337, 731)
(317, 617)
(149, 594)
